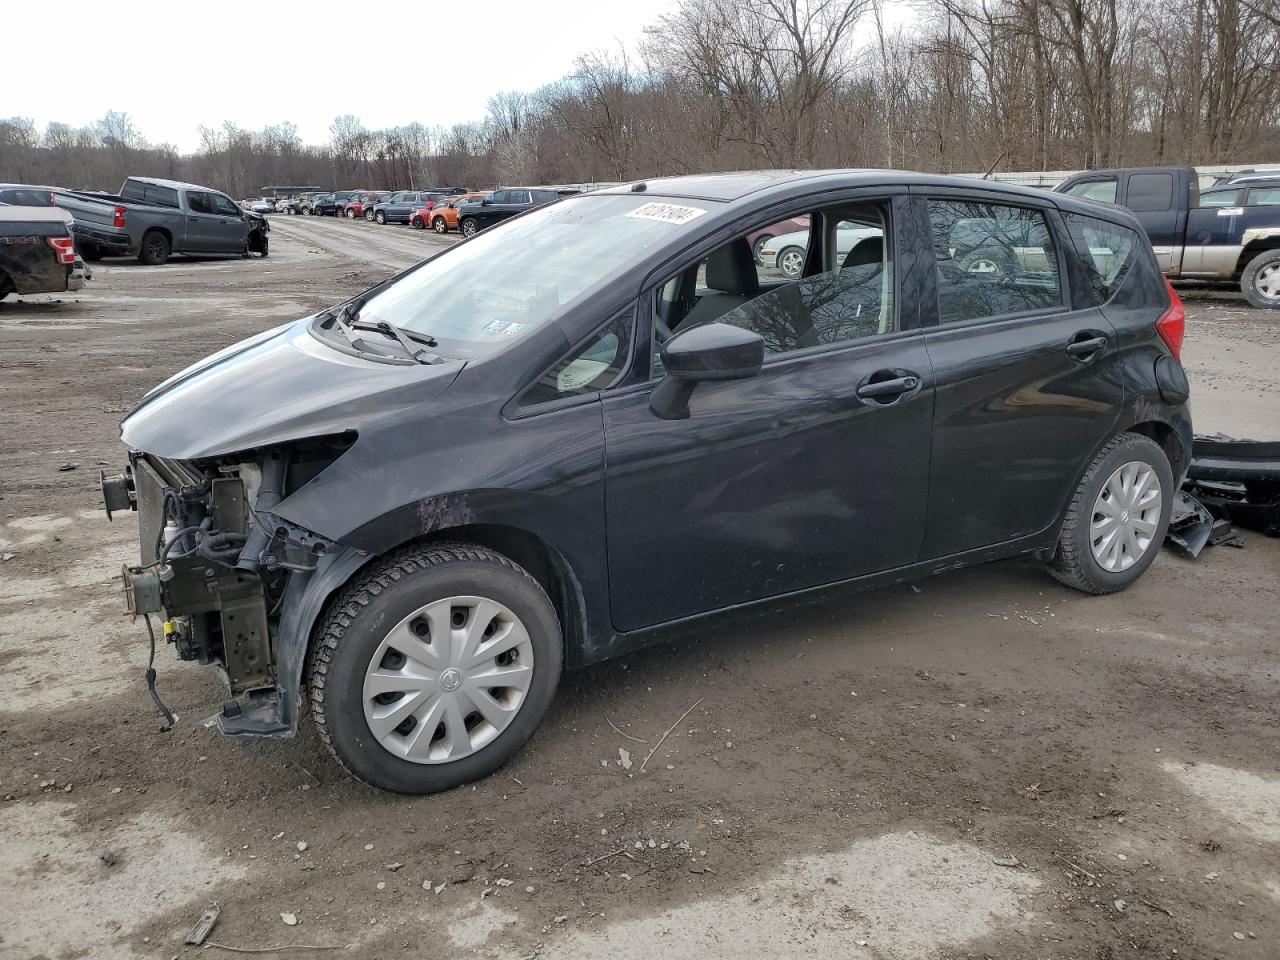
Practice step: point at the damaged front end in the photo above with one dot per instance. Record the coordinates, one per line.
(221, 570)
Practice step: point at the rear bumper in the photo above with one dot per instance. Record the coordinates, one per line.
(108, 242)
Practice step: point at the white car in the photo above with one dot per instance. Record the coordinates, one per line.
(786, 253)
(263, 206)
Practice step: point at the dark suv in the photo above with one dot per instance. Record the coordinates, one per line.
(503, 204)
(549, 444)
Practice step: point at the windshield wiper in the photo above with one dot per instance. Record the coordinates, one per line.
(347, 319)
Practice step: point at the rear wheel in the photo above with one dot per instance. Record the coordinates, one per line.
(440, 225)
(155, 248)
(91, 252)
(1117, 519)
(759, 245)
(1260, 282)
(434, 668)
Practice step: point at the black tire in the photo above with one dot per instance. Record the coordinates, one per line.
(368, 215)
(380, 217)
(759, 245)
(350, 214)
(91, 252)
(6, 285)
(1073, 562)
(306, 211)
(155, 248)
(440, 225)
(1260, 282)
(469, 227)
(356, 624)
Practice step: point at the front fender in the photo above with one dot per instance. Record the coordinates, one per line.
(276, 714)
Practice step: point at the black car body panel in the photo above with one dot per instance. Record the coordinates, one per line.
(771, 487)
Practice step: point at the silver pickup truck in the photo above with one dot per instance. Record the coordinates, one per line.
(151, 219)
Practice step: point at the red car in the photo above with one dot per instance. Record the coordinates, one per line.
(361, 205)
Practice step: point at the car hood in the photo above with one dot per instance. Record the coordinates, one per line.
(283, 384)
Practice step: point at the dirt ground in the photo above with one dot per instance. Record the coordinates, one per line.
(848, 783)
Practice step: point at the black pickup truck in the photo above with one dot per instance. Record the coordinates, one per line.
(1229, 232)
(37, 252)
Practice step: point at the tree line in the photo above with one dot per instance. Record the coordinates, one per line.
(964, 85)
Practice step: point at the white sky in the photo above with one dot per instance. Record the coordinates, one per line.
(181, 64)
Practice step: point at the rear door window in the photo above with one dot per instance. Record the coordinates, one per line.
(1108, 252)
(992, 260)
(1220, 198)
(518, 196)
(1104, 190)
(1264, 196)
(1149, 192)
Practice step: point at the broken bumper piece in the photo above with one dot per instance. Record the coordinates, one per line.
(1237, 481)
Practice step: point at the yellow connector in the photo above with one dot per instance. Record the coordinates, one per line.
(170, 627)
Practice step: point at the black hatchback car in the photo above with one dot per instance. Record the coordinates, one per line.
(556, 440)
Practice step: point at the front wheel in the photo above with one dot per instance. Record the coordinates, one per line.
(380, 217)
(351, 214)
(791, 262)
(1260, 282)
(440, 225)
(1117, 519)
(434, 668)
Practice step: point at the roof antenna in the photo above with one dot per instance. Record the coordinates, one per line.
(987, 175)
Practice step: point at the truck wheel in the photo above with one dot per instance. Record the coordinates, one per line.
(91, 252)
(440, 225)
(468, 226)
(1260, 282)
(434, 668)
(155, 248)
(1117, 519)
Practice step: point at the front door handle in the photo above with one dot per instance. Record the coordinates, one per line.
(880, 389)
(1087, 347)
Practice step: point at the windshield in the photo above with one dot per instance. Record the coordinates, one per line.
(518, 275)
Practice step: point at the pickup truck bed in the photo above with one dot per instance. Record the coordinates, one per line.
(37, 254)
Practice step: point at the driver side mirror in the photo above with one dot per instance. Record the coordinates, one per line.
(710, 351)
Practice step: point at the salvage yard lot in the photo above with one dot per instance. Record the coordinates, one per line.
(845, 785)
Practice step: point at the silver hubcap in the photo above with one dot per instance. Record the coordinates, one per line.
(1267, 282)
(1125, 517)
(792, 263)
(448, 679)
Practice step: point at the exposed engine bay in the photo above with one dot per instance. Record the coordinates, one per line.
(215, 561)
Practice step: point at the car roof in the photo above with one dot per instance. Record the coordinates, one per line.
(740, 185)
(172, 184)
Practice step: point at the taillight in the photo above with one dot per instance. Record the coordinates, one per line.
(1172, 323)
(65, 248)
(118, 222)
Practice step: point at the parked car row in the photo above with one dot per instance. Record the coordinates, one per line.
(440, 209)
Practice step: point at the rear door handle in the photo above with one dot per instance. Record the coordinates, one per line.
(1086, 348)
(888, 388)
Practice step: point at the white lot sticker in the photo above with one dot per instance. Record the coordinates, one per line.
(666, 213)
(1230, 211)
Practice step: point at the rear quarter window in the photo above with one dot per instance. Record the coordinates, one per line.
(1107, 251)
(1149, 192)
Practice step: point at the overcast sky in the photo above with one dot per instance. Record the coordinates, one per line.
(173, 66)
